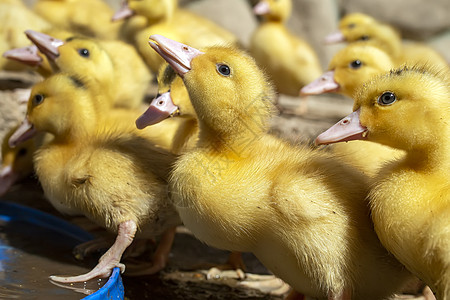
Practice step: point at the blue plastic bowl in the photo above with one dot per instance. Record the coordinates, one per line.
(9, 212)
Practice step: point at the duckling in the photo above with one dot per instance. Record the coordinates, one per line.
(115, 67)
(166, 18)
(349, 69)
(102, 167)
(407, 109)
(291, 62)
(87, 17)
(15, 18)
(360, 28)
(173, 99)
(300, 211)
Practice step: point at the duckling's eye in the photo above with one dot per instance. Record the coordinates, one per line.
(364, 38)
(351, 25)
(387, 98)
(83, 52)
(22, 152)
(38, 99)
(223, 70)
(356, 64)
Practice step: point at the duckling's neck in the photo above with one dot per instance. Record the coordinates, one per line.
(236, 142)
(429, 159)
(273, 19)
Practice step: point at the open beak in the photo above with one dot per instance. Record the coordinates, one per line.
(27, 55)
(24, 132)
(161, 108)
(124, 12)
(46, 44)
(261, 8)
(323, 84)
(347, 129)
(334, 38)
(178, 55)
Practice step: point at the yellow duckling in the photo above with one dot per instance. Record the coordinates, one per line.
(113, 66)
(301, 212)
(166, 18)
(87, 17)
(290, 62)
(101, 167)
(408, 109)
(173, 100)
(349, 69)
(15, 18)
(360, 28)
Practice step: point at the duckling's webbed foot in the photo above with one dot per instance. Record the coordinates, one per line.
(160, 257)
(110, 259)
(234, 268)
(268, 284)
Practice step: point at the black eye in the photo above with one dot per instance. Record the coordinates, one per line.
(364, 38)
(22, 152)
(83, 52)
(387, 98)
(224, 70)
(38, 99)
(356, 64)
(351, 25)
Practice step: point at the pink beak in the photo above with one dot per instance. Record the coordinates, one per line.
(178, 55)
(46, 44)
(323, 84)
(347, 129)
(160, 109)
(335, 37)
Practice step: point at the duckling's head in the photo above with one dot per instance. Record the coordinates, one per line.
(75, 55)
(84, 56)
(172, 100)
(61, 105)
(348, 24)
(274, 10)
(349, 69)
(227, 90)
(354, 20)
(406, 108)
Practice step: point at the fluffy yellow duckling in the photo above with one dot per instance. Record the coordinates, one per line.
(301, 212)
(15, 18)
(101, 167)
(349, 69)
(360, 27)
(113, 66)
(290, 62)
(87, 17)
(173, 100)
(408, 109)
(166, 18)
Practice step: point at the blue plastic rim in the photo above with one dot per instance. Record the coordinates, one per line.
(113, 288)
